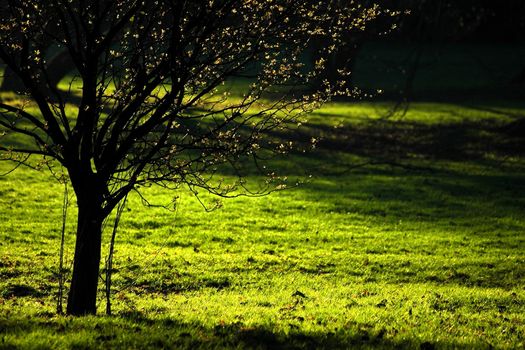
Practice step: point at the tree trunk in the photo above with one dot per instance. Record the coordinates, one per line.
(83, 292)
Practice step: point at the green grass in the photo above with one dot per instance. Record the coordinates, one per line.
(420, 248)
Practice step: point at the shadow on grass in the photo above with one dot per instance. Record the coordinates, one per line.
(134, 331)
(392, 141)
(416, 171)
(422, 196)
(411, 146)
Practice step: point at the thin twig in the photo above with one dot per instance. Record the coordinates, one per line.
(109, 261)
(61, 278)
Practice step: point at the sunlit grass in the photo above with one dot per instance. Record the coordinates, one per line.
(377, 256)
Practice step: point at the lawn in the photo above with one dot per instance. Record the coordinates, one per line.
(396, 231)
(404, 232)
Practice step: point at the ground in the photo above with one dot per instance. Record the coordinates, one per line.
(404, 232)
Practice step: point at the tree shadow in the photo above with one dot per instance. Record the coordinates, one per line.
(133, 330)
(404, 140)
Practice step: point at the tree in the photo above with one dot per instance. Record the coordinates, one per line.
(152, 108)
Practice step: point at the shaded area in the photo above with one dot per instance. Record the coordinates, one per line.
(20, 290)
(470, 139)
(133, 330)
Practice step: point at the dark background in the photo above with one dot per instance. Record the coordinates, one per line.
(443, 50)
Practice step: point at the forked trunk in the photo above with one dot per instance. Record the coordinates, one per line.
(83, 292)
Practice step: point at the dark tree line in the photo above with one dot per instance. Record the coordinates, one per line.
(463, 21)
(434, 22)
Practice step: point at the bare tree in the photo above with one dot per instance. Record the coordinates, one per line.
(152, 109)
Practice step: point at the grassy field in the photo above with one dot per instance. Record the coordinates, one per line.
(421, 246)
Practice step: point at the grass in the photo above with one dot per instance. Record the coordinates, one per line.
(422, 247)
